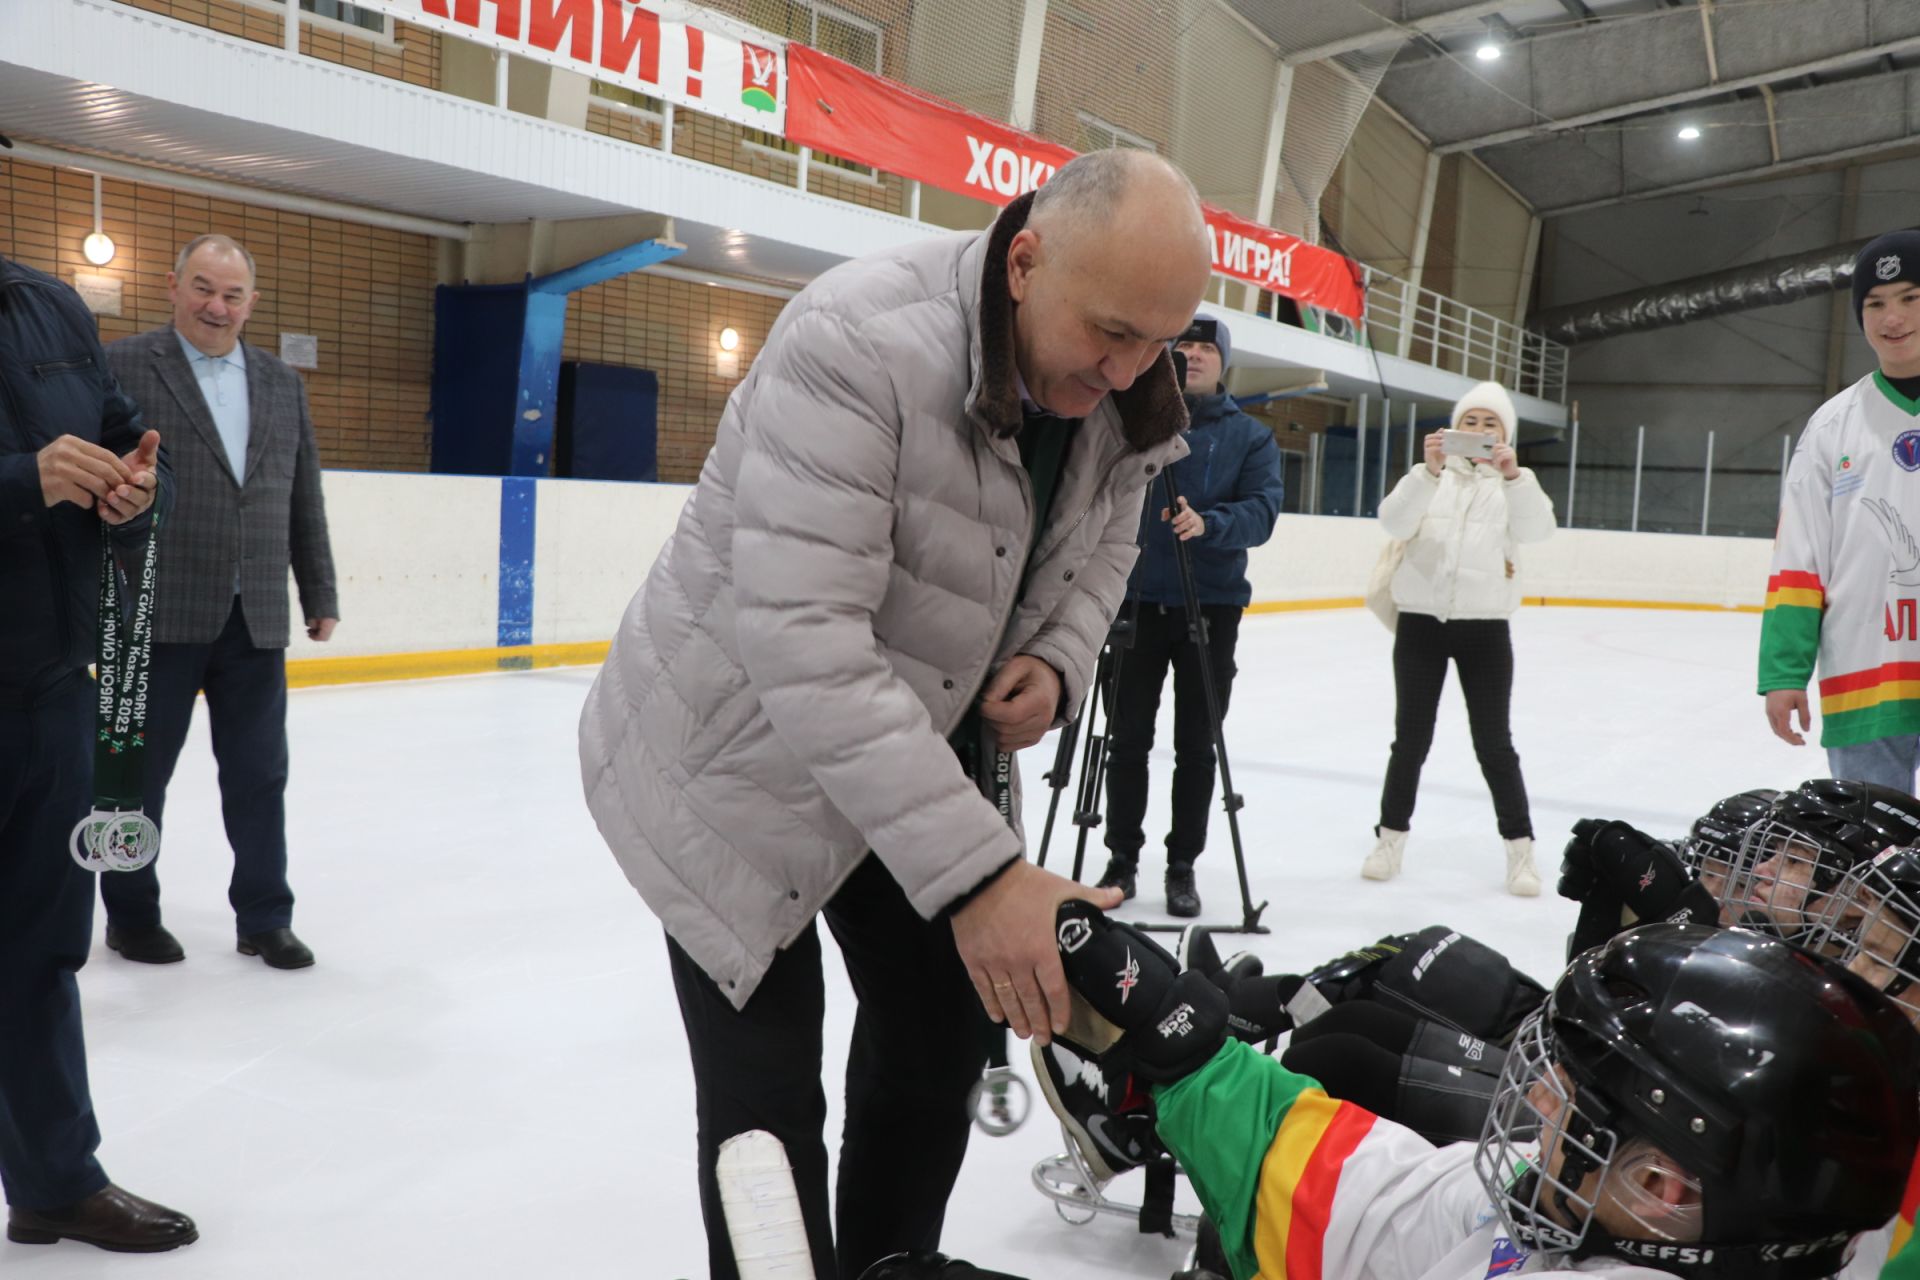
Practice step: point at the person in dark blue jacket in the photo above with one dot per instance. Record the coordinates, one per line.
(1229, 488)
(76, 465)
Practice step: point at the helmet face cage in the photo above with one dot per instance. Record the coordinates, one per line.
(1539, 1146)
(1712, 852)
(1785, 881)
(1872, 925)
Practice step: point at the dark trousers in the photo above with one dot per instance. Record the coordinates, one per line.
(1483, 652)
(919, 1044)
(47, 1131)
(1161, 641)
(247, 710)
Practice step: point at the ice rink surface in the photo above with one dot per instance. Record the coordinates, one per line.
(485, 1074)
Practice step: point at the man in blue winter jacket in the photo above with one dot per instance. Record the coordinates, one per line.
(76, 466)
(1229, 487)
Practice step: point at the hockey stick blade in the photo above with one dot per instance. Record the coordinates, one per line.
(762, 1208)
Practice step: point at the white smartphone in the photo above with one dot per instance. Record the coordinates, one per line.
(1466, 444)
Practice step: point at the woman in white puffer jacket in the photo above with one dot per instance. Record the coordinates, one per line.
(1455, 589)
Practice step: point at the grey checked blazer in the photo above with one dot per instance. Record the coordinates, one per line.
(277, 518)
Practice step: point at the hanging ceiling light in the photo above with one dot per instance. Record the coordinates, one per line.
(1689, 132)
(98, 247)
(1489, 50)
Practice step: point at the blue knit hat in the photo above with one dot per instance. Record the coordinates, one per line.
(1894, 256)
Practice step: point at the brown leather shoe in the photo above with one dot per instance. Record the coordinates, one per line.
(110, 1219)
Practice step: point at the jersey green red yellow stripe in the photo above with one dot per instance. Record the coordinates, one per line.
(1298, 1180)
(1265, 1149)
(1857, 690)
(1880, 702)
(1795, 589)
(1790, 629)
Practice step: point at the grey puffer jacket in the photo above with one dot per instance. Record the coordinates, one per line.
(840, 585)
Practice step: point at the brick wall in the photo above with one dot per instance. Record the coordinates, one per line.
(367, 294)
(613, 122)
(413, 55)
(673, 328)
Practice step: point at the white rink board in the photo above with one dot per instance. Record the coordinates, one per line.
(418, 559)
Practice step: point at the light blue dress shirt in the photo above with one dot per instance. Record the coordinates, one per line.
(223, 385)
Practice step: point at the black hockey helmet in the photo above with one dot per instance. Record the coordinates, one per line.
(1781, 1088)
(1713, 843)
(1894, 815)
(1793, 859)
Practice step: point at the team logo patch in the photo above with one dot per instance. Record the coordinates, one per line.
(1846, 462)
(1906, 450)
(1177, 1023)
(1646, 881)
(1888, 267)
(1129, 977)
(1074, 934)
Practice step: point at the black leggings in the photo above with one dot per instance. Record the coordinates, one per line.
(1483, 651)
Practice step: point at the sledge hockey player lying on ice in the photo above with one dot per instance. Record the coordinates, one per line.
(1709, 1104)
(1415, 1027)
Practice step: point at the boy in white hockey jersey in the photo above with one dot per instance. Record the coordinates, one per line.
(1845, 584)
(1708, 1104)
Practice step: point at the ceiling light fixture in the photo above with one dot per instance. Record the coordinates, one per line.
(1689, 132)
(729, 339)
(98, 247)
(1488, 52)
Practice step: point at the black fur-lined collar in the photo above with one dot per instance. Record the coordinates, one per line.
(1151, 411)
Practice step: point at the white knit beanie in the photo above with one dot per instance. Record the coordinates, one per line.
(1493, 398)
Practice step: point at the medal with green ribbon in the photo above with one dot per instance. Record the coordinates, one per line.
(117, 835)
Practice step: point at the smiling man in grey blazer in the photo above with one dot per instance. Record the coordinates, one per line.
(248, 504)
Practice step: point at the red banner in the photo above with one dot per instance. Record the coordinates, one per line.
(847, 112)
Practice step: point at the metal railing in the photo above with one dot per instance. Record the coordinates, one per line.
(1413, 323)
(1705, 485)
(1418, 324)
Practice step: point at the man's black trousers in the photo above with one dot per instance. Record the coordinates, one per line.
(47, 1130)
(1161, 641)
(920, 1041)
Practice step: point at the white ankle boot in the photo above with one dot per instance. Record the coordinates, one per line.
(1384, 862)
(1523, 880)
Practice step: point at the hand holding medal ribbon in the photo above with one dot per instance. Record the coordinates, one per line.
(117, 835)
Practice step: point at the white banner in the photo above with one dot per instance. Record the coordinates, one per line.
(679, 53)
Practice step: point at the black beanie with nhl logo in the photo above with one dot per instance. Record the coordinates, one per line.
(1894, 256)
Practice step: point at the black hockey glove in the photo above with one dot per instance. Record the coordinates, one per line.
(1133, 1007)
(1351, 976)
(1613, 862)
